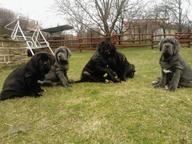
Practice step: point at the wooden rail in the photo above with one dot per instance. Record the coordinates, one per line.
(121, 41)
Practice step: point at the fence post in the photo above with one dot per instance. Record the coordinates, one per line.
(152, 41)
(80, 45)
(189, 43)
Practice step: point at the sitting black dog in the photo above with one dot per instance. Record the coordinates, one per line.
(107, 65)
(175, 71)
(23, 80)
(58, 73)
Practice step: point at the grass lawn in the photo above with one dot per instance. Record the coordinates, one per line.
(131, 112)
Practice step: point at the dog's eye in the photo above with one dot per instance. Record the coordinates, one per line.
(172, 43)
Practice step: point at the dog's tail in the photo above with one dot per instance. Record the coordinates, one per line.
(78, 81)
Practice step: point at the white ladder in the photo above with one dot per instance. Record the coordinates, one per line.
(32, 42)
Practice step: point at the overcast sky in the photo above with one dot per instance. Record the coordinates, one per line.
(35, 9)
(39, 10)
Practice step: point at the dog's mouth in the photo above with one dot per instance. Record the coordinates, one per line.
(63, 61)
(107, 53)
(166, 54)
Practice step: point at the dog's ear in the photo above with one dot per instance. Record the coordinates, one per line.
(51, 58)
(69, 53)
(176, 46)
(161, 44)
(31, 66)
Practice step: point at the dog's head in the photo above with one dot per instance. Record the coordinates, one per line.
(106, 48)
(169, 46)
(62, 55)
(40, 64)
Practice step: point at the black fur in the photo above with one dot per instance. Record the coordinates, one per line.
(23, 80)
(107, 64)
(119, 63)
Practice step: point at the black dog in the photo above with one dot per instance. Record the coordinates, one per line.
(118, 63)
(175, 71)
(58, 73)
(23, 80)
(107, 65)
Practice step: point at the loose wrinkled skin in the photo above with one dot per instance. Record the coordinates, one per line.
(58, 73)
(175, 71)
(23, 81)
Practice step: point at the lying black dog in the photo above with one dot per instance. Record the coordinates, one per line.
(118, 63)
(107, 65)
(23, 80)
(58, 73)
(175, 71)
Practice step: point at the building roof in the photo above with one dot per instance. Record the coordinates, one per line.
(57, 29)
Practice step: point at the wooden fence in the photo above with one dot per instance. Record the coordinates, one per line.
(121, 41)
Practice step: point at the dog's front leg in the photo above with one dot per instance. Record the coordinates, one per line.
(33, 88)
(112, 75)
(161, 82)
(62, 78)
(173, 84)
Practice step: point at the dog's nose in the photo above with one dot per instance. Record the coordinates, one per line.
(166, 46)
(45, 63)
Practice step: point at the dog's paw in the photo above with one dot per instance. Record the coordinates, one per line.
(172, 87)
(108, 81)
(117, 80)
(71, 81)
(37, 95)
(69, 85)
(156, 84)
(66, 85)
(40, 90)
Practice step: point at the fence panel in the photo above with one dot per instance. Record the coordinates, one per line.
(121, 41)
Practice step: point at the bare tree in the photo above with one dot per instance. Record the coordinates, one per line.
(162, 15)
(131, 10)
(179, 11)
(93, 13)
(78, 27)
(6, 16)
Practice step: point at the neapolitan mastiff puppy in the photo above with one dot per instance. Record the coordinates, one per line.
(58, 73)
(175, 71)
(107, 65)
(119, 63)
(23, 80)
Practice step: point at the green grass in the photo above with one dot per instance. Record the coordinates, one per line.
(131, 112)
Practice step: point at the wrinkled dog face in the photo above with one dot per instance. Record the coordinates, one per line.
(169, 46)
(44, 62)
(106, 48)
(62, 55)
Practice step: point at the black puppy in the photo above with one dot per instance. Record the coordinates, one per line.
(175, 71)
(23, 80)
(58, 73)
(97, 69)
(119, 63)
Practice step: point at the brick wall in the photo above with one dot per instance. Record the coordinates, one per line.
(12, 51)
